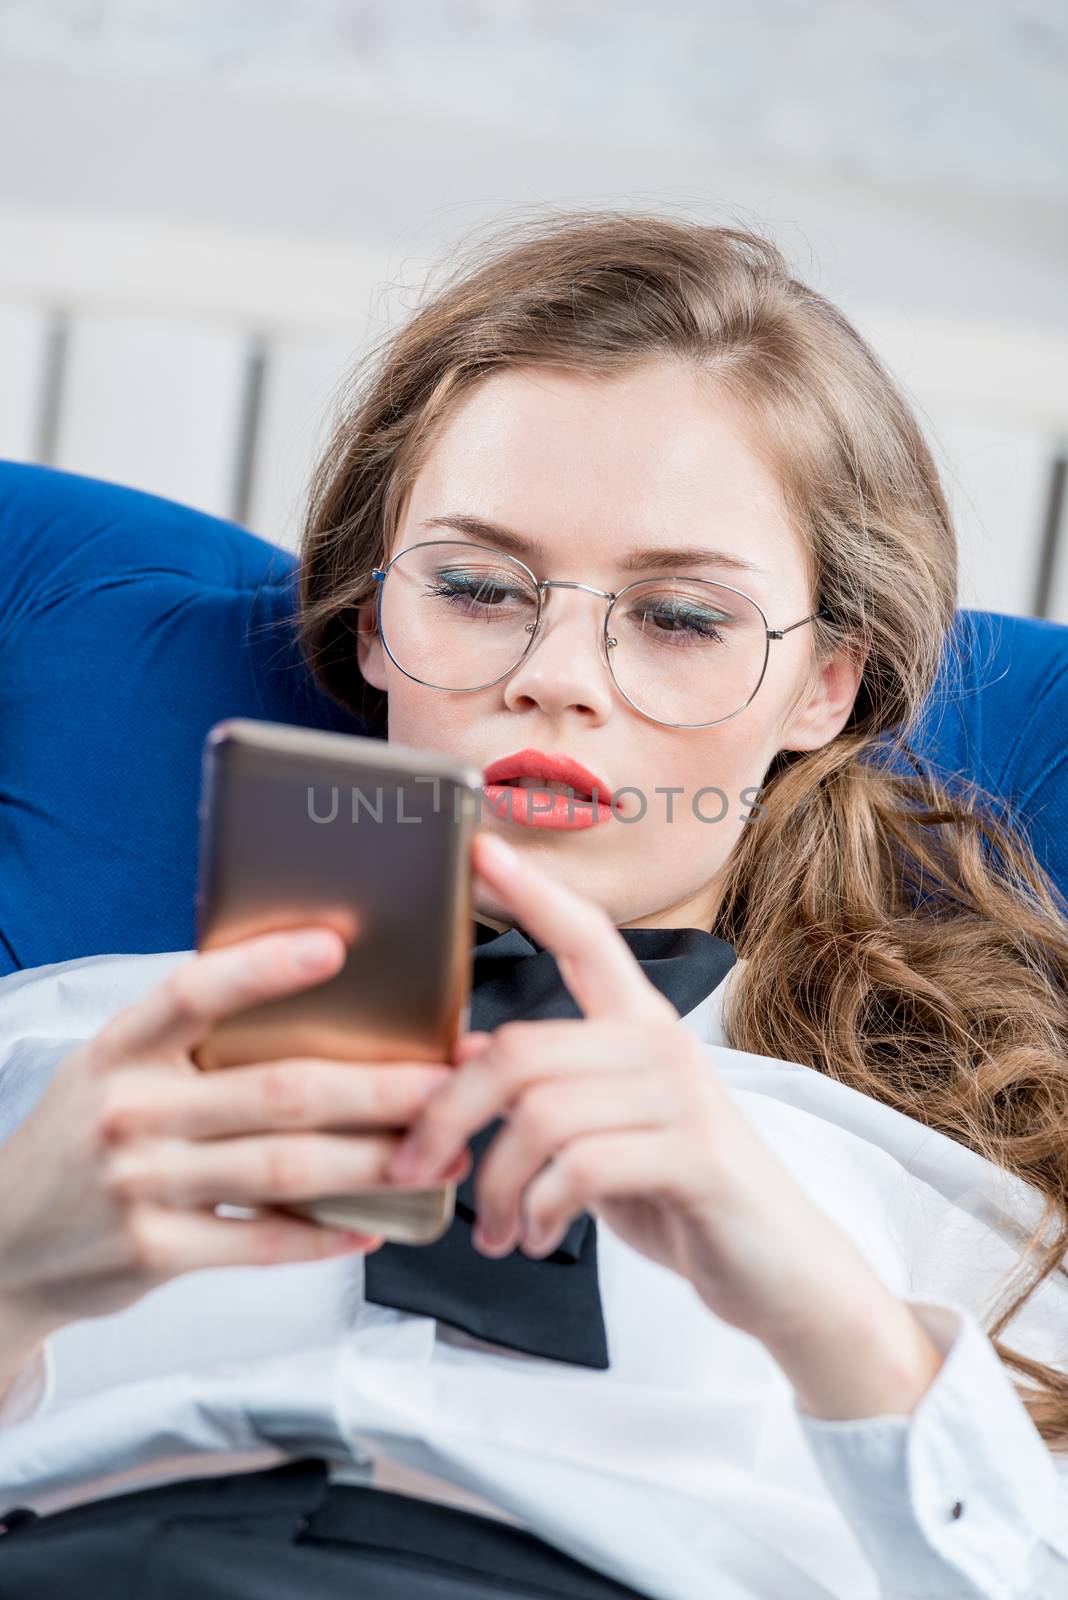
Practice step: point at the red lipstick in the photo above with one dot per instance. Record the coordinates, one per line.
(584, 801)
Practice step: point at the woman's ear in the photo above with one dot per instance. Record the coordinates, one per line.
(822, 714)
(370, 655)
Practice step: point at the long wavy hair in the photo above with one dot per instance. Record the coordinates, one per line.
(899, 932)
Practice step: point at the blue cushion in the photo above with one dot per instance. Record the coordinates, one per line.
(998, 716)
(130, 624)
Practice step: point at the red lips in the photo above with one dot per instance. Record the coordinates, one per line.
(553, 768)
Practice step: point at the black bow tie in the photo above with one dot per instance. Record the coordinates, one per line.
(548, 1306)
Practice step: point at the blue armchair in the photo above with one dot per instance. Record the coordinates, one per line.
(130, 624)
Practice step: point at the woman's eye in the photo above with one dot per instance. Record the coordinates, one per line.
(693, 624)
(478, 591)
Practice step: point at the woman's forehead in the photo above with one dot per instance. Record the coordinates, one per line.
(613, 467)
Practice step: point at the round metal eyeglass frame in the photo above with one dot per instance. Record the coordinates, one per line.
(541, 584)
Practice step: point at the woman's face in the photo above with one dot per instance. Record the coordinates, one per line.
(593, 469)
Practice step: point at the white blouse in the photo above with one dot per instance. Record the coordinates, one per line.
(685, 1469)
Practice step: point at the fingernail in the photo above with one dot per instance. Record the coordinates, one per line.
(347, 1240)
(468, 1047)
(535, 1239)
(486, 1241)
(313, 952)
(501, 856)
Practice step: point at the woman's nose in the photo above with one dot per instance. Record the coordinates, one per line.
(566, 665)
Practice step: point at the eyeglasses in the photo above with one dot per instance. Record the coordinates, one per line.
(685, 652)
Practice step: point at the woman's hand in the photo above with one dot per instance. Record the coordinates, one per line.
(109, 1187)
(622, 1114)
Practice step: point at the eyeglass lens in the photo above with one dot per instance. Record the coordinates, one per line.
(686, 650)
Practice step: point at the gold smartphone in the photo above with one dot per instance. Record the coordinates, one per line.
(373, 838)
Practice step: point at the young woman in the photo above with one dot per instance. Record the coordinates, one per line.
(772, 1197)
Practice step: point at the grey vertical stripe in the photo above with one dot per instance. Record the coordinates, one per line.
(248, 431)
(1052, 532)
(49, 413)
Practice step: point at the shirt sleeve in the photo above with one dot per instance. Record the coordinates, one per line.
(961, 1500)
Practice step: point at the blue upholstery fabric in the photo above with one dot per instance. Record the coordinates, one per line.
(129, 625)
(998, 716)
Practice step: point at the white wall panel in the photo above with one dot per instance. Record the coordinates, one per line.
(995, 478)
(155, 404)
(24, 351)
(300, 392)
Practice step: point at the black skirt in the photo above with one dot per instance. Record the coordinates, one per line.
(286, 1533)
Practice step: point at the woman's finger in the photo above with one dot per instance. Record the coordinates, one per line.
(594, 962)
(519, 1055)
(179, 1013)
(262, 1169)
(547, 1121)
(268, 1096)
(169, 1241)
(468, 1045)
(603, 1166)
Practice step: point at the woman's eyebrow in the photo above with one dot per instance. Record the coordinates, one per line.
(653, 559)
